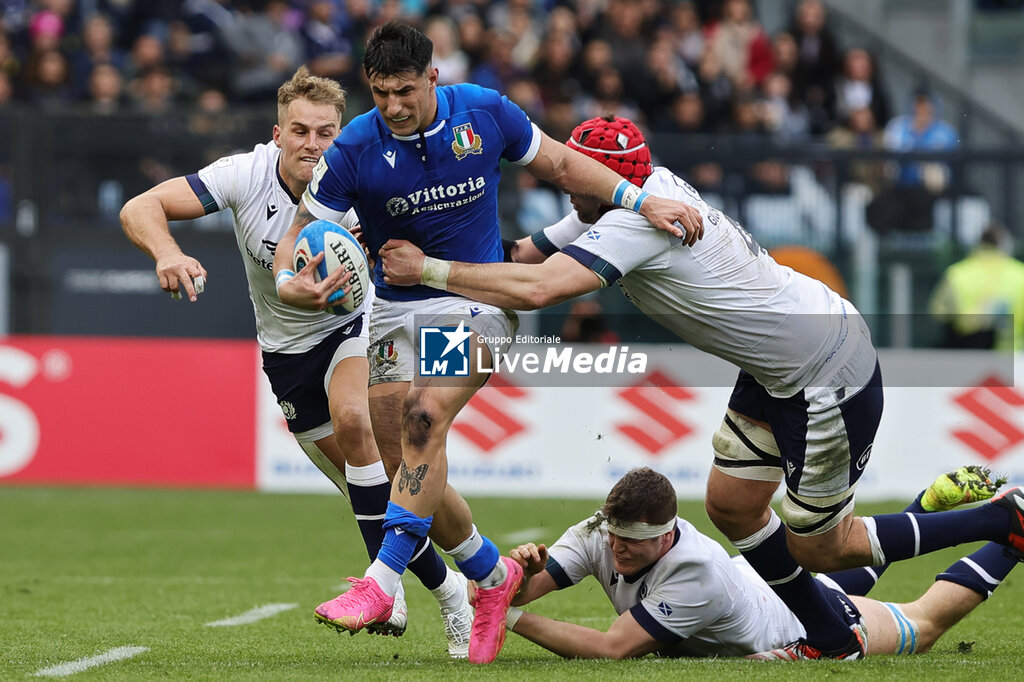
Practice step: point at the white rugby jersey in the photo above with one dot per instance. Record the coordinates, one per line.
(724, 295)
(696, 599)
(264, 208)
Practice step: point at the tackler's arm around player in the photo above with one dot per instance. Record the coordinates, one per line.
(508, 285)
(144, 219)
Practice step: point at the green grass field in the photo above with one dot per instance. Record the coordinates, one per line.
(83, 572)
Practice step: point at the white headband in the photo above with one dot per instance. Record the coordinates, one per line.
(641, 530)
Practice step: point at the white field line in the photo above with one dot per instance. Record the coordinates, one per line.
(65, 669)
(253, 615)
(525, 535)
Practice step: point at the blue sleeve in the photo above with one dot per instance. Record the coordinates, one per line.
(515, 126)
(334, 179)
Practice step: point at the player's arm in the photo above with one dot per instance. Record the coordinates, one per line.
(144, 220)
(576, 173)
(626, 638)
(508, 285)
(536, 580)
(525, 251)
(300, 289)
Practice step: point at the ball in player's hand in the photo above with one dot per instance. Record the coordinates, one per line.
(341, 250)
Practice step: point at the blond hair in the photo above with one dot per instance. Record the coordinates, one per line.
(316, 89)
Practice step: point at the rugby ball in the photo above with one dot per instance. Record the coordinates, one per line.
(341, 250)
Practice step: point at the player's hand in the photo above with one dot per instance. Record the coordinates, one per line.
(674, 217)
(303, 291)
(402, 261)
(533, 558)
(357, 232)
(177, 271)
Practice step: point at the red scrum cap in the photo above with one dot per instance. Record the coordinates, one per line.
(617, 143)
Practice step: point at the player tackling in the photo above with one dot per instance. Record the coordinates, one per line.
(806, 405)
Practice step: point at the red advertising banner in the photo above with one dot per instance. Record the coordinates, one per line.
(113, 411)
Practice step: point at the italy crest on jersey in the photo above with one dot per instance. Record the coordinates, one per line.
(466, 141)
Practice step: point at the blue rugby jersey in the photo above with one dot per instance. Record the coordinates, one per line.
(438, 189)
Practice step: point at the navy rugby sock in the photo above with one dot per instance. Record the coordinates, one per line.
(984, 570)
(821, 615)
(901, 536)
(369, 490)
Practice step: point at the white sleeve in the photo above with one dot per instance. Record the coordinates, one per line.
(349, 220)
(572, 555)
(620, 242)
(229, 179)
(553, 238)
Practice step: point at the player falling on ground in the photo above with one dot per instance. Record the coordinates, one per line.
(424, 165)
(678, 593)
(806, 405)
(316, 361)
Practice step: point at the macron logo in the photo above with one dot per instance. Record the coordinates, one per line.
(389, 156)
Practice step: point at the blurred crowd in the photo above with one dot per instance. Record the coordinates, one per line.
(697, 67)
(703, 66)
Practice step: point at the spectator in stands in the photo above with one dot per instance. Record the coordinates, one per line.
(663, 77)
(498, 69)
(554, 69)
(859, 87)
(921, 129)
(10, 64)
(818, 62)
(328, 50)
(742, 48)
(472, 36)
(688, 32)
(861, 132)
(6, 89)
(106, 90)
(784, 115)
(264, 50)
(595, 57)
(716, 89)
(451, 62)
(686, 115)
(147, 53)
(97, 48)
(525, 28)
(980, 299)
(623, 30)
(48, 81)
(154, 91)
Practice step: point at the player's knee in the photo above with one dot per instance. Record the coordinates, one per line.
(351, 424)
(421, 420)
(734, 516)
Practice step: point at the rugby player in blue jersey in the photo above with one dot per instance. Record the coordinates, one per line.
(424, 166)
